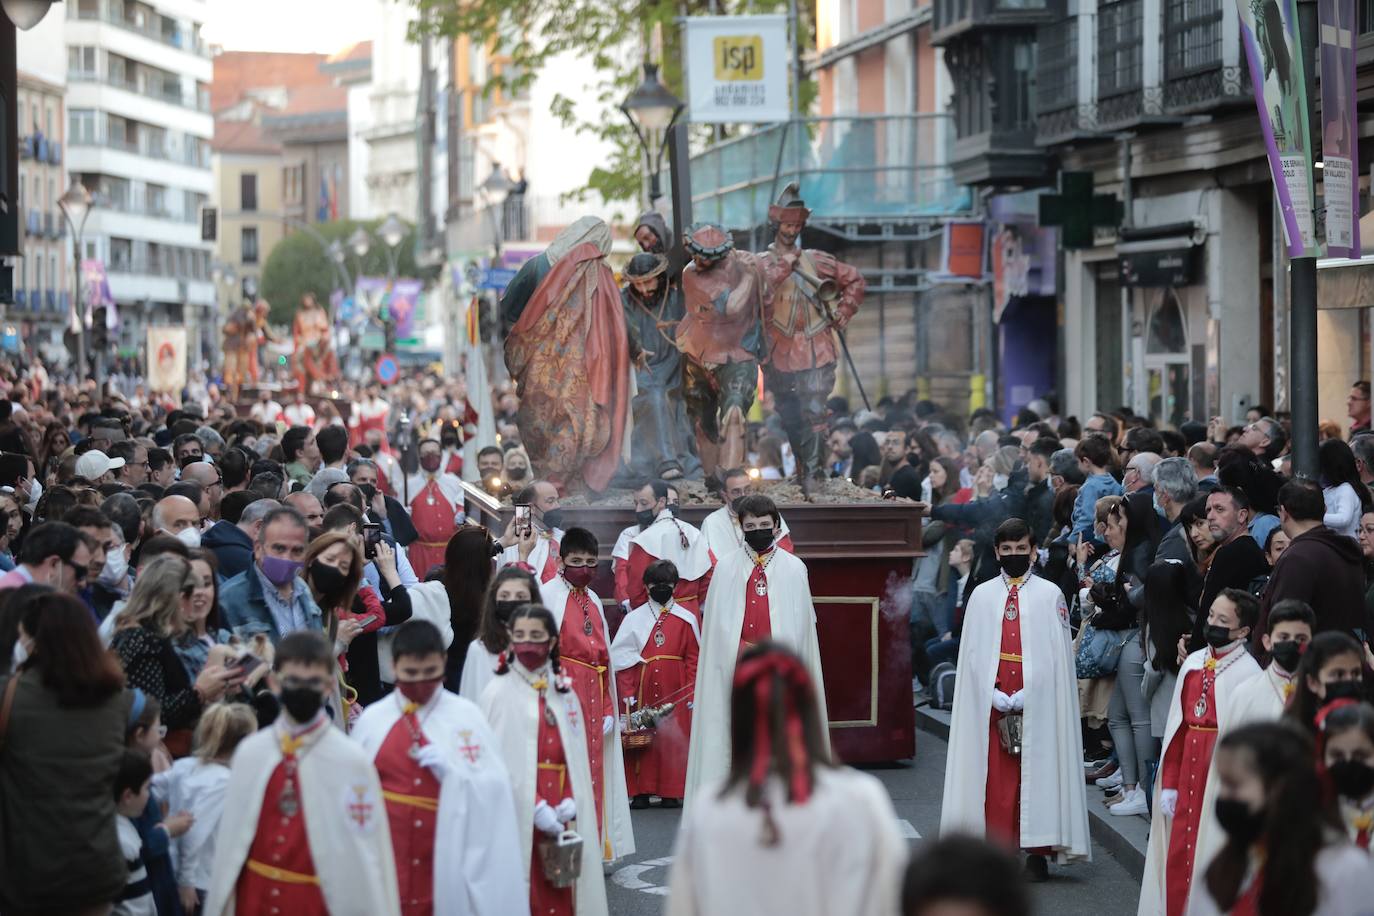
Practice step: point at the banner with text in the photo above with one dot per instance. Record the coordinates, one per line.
(737, 69)
(1340, 142)
(1269, 31)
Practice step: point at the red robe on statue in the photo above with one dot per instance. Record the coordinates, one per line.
(667, 674)
(411, 794)
(279, 875)
(435, 521)
(552, 787)
(1186, 762)
(585, 652)
(1002, 807)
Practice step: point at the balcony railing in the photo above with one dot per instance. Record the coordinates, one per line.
(174, 40)
(150, 89)
(1060, 114)
(954, 17)
(874, 168)
(1199, 72)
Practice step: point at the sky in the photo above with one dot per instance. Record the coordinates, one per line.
(320, 26)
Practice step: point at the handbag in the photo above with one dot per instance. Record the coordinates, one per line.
(1099, 652)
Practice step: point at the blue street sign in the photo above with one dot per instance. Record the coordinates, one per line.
(497, 278)
(387, 369)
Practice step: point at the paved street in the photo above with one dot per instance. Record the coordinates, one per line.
(1100, 888)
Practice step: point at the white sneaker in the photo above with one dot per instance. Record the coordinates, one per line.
(1133, 803)
(1110, 782)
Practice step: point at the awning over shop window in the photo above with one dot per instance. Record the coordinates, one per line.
(1161, 256)
(1348, 283)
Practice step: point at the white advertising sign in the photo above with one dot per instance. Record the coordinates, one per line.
(737, 69)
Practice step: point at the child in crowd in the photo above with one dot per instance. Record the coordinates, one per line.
(1332, 668)
(157, 832)
(196, 785)
(131, 797)
(1347, 742)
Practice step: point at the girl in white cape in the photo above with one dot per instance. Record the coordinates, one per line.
(538, 724)
(788, 832)
(511, 587)
(1284, 853)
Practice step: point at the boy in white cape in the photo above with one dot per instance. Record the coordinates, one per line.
(758, 591)
(304, 829)
(447, 794)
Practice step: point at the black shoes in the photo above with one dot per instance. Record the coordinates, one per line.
(1037, 869)
(639, 803)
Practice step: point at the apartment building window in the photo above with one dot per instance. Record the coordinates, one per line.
(1192, 36)
(1119, 45)
(972, 112)
(1015, 82)
(81, 62)
(81, 126)
(22, 128)
(121, 254)
(248, 192)
(248, 244)
(1057, 85)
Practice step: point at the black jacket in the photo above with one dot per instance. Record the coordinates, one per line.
(1325, 569)
(1234, 565)
(232, 547)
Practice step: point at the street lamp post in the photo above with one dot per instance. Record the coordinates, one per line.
(651, 110)
(393, 231)
(497, 185)
(76, 206)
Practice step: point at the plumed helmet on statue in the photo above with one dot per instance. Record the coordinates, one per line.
(789, 207)
(708, 241)
(643, 266)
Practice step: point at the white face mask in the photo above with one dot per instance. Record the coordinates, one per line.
(190, 536)
(35, 491)
(116, 567)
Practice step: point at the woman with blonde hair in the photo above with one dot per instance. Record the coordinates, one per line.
(153, 615)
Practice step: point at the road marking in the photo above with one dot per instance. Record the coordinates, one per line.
(628, 876)
(909, 832)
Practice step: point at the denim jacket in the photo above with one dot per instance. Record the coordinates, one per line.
(1085, 505)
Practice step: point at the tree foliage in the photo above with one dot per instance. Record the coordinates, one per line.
(299, 264)
(616, 33)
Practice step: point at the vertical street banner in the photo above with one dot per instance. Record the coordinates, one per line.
(166, 359)
(737, 69)
(1269, 32)
(1340, 142)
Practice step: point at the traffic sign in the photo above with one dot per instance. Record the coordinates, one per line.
(387, 369)
(497, 278)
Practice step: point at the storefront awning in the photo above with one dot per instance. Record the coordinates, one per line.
(1159, 256)
(1348, 283)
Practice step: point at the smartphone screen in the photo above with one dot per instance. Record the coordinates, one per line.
(247, 663)
(372, 536)
(523, 520)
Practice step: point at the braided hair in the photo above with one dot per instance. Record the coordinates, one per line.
(544, 616)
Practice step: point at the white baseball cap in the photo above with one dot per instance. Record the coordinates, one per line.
(94, 464)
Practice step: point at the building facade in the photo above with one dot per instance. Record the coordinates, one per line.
(139, 131)
(43, 274)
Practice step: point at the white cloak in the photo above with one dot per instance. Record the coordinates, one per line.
(1345, 885)
(621, 550)
(1259, 698)
(619, 831)
(479, 668)
(345, 821)
(451, 485)
(792, 621)
(512, 708)
(663, 540)
(538, 556)
(1054, 806)
(723, 534)
(476, 840)
(1152, 892)
(634, 632)
(428, 601)
(840, 853)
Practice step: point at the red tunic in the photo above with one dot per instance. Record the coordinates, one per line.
(757, 624)
(1186, 762)
(412, 804)
(586, 661)
(667, 673)
(434, 518)
(279, 876)
(552, 787)
(689, 593)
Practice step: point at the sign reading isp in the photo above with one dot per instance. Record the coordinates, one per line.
(737, 69)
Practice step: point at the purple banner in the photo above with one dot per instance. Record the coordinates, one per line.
(399, 298)
(1268, 30)
(1340, 142)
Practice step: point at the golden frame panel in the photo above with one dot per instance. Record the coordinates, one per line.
(874, 609)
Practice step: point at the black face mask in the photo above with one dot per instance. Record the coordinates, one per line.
(673, 507)
(662, 592)
(449, 443)
(913, 458)
(644, 518)
(759, 540)
(1353, 779)
(1015, 565)
(328, 580)
(301, 703)
(1287, 655)
(1218, 636)
(368, 491)
(1344, 690)
(553, 518)
(735, 504)
(1240, 823)
(504, 610)
(517, 473)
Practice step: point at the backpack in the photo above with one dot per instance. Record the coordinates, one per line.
(942, 686)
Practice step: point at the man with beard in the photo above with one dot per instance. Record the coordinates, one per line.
(722, 336)
(652, 233)
(653, 307)
(809, 293)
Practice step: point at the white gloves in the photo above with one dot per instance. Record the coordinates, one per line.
(1168, 801)
(607, 724)
(1017, 701)
(566, 810)
(1000, 701)
(546, 819)
(432, 759)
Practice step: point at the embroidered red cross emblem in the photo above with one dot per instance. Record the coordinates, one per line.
(469, 750)
(572, 716)
(359, 810)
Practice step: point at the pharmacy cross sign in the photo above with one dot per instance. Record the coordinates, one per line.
(1076, 210)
